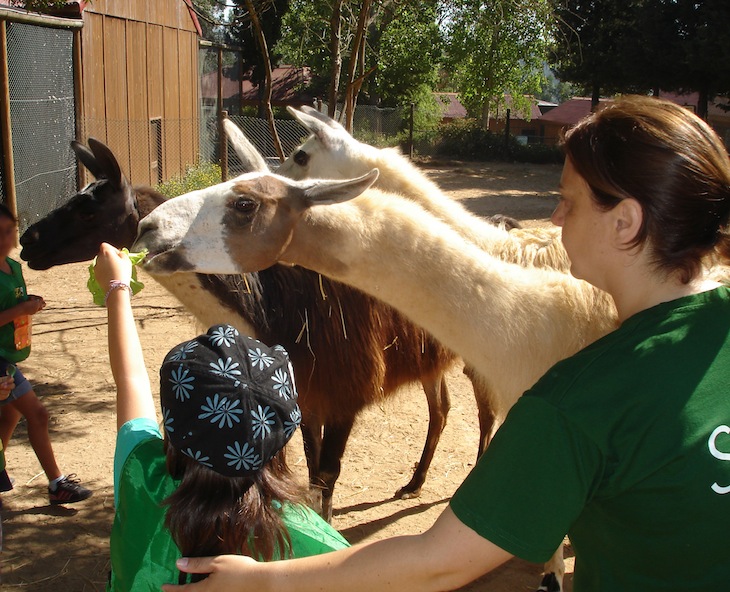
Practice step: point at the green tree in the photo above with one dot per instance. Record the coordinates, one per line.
(641, 45)
(496, 48)
(403, 48)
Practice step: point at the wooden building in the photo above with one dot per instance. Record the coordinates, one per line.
(140, 84)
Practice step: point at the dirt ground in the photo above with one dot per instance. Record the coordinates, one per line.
(67, 548)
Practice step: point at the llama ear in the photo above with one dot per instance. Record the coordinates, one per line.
(106, 161)
(87, 158)
(321, 116)
(325, 192)
(250, 157)
(323, 132)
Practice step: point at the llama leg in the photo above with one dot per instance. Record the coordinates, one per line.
(487, 414)
(439, 403)
(312, 438)
(554, 573)
(333, 447)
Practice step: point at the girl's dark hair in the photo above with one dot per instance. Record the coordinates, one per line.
(672, 163)
(212, 514)
(6, 213)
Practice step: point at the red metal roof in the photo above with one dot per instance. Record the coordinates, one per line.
(450, 105)
(571, 111)
(287, 85)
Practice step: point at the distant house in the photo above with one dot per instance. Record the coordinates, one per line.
(717, 117)
(451, 107)
(288, 87)
(563, 116)
(572, 111)
(522, 122)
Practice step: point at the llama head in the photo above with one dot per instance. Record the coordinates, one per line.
(329, 153)
(239, 226)
(103, 211)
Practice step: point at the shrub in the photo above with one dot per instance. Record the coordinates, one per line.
(199, 176)
(467, 139)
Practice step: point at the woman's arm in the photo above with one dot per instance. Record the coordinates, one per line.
(134, 395)
(446, 557)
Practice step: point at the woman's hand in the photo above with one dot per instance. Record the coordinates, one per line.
(7, 384)
(112, 264)
(227, 572)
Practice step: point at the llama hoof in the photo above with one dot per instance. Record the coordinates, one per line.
(550, 584)
(407, 493)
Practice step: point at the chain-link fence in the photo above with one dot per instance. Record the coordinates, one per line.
(40, 68)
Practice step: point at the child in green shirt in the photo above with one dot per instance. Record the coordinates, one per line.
(218, 482)
(16, 309)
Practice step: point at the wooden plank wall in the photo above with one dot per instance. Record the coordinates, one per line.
(140, 61)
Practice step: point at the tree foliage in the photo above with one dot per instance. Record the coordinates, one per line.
(241, 33)
(641, 45)
(403, 45)
(494, 48)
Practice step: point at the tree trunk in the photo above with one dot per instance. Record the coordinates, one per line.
(336, 53)
(256, 24)
(350, 92)
(702, 101)
(595, 97)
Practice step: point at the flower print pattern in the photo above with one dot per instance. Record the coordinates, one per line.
(223, 335)
(262, 421)
(198, 456)
(242, 456)
(167, 421)
(221, 410)
(281, 383)
(260, 358)
(226, 369)
(290, 425)
(182, 352)
(182, 383)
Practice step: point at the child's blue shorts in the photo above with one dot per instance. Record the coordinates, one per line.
(22, 385)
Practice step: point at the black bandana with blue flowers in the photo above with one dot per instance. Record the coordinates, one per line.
(228, 401)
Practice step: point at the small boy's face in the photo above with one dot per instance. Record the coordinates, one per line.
(7, 236)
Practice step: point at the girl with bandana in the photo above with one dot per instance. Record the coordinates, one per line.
(217, 482)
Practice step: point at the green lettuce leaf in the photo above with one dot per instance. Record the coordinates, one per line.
(98, 292)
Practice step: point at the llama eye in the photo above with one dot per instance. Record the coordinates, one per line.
(301, 158)
(245, 206)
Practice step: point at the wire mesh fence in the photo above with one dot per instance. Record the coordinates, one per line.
(40, 68)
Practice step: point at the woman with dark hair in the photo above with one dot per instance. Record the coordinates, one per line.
(625, 446)
(218, 482)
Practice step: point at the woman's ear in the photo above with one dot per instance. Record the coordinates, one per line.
(628, 218)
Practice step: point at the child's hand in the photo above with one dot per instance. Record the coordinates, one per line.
(7, 384)
(112, 264)
(32, 305)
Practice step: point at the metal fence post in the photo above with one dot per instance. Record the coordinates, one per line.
(506, 132)
(410, 133)
(223, 147)
(78, 101)
(7, 134)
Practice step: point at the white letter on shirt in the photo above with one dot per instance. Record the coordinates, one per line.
(723, 429)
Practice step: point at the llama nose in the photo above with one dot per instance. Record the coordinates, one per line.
(29, 237)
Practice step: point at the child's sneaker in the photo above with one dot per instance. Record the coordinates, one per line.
(68, 491)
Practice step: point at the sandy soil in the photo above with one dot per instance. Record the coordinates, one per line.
(67, 548)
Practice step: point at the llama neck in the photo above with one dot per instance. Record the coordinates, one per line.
(490, 312)
(398, 175)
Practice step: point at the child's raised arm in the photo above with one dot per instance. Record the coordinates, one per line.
(134, 397)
